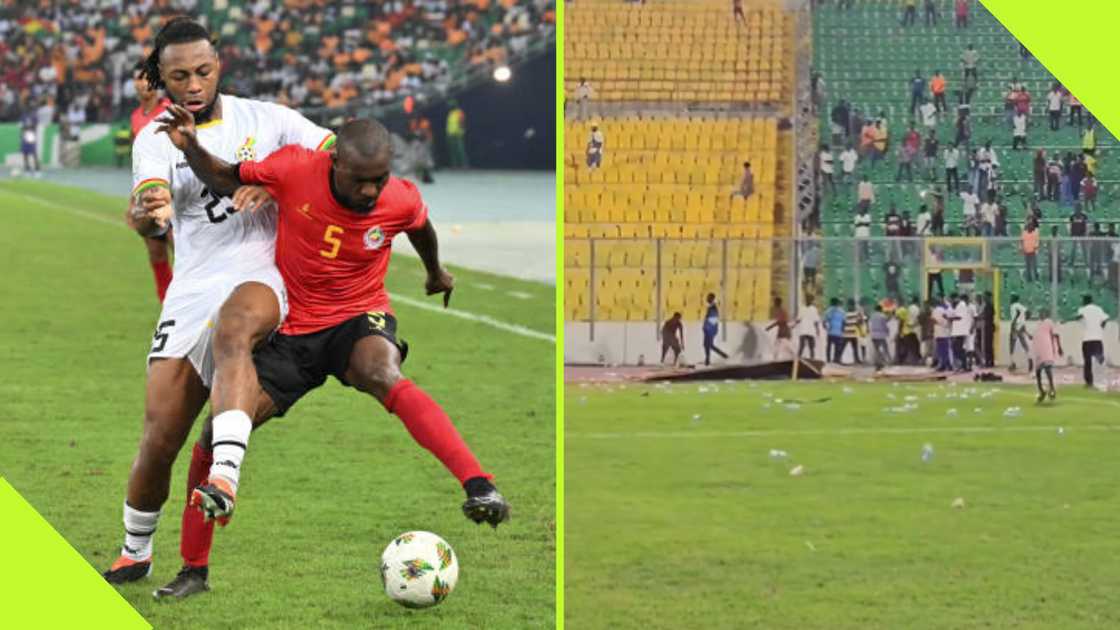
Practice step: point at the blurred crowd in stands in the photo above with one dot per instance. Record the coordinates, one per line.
(70, 60)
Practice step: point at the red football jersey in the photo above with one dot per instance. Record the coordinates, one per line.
(140, 119)
(333, 259)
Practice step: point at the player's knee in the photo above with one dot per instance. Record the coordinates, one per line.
(234, 332)
(377, 380)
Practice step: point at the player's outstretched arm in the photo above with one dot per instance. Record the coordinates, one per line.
(220, 176)
(427, 245)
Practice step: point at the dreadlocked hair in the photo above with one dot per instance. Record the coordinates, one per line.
(178, 30)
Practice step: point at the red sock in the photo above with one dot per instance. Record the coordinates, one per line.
(162, 272)
(197, 534)
(432, 429)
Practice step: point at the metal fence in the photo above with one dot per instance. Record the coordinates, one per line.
(647, 280)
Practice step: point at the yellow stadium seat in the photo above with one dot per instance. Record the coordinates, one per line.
(670, 179)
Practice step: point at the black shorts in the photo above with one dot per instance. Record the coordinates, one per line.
(289, 366)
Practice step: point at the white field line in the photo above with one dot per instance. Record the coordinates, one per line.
(516, 329)
(467, 315)
(92, 216)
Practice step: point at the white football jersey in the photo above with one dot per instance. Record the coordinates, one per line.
(212, 240)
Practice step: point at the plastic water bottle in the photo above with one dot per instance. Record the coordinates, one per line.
(778, 454)
(927, 452)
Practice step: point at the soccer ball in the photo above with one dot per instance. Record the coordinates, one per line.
(419, 569)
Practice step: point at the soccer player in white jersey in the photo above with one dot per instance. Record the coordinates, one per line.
(226, 296)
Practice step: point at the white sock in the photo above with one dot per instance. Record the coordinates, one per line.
(138, 529)
(231, 438)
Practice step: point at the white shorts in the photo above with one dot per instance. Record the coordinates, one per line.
(190, 312)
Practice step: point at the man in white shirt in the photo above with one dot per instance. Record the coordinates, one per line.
(971, 346)
(866, 193)
(827, 168)
(1092, 337)
(961, 330)
(1019, 131)
(584, 92)
(924, 221)
(969, 60)
(1054, 107)
(1018, 334)
(988, 211)
(928, 112)
(862, 225)
(952, 176)
(808, 327)
(970, 208)
(942, 326)
(848, 159)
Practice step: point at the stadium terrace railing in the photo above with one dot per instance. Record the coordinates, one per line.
(646, 280)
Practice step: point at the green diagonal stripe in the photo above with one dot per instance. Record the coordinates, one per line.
(1077, 43)
(46, 584)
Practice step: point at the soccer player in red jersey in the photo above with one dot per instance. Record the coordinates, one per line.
(338, 214)
(152, 104)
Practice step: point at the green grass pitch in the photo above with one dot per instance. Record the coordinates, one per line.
(324, 489)
(676, 522)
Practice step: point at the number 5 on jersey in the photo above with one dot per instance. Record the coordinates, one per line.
(159, 339)
(335, 242)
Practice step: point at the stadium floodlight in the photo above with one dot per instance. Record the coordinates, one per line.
(502, 74)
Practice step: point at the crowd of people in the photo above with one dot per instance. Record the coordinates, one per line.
(962, 167)
(954, 333)
(72, 59)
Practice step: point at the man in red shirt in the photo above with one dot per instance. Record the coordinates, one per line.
(962, 13)
(338, 214)
(152, 104)
(1023, 102)
(784, 342)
